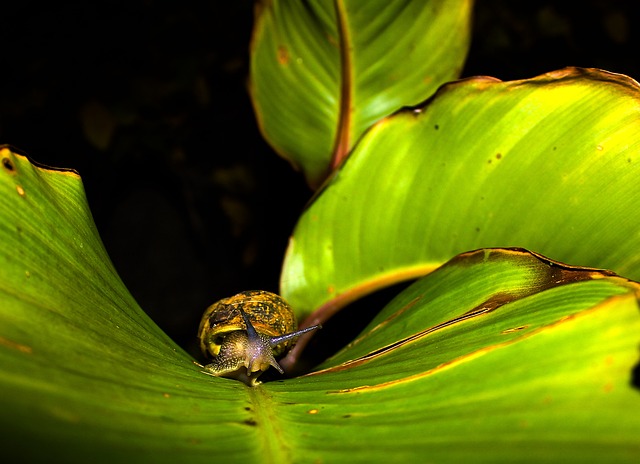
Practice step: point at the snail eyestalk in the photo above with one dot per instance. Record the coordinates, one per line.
(259, 352)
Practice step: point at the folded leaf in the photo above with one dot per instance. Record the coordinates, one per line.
(498, 355)
(549, 164)
(323, 71)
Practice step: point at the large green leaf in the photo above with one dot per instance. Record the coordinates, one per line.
(323, 71)
(500, 355)
(550, 164)
(496, 359)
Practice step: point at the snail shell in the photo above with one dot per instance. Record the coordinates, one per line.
(243, 334)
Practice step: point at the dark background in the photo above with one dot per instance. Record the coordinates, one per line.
(148, 101)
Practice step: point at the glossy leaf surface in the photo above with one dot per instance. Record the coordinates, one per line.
(549, 164)
(497, 347)
(323, 71)
(499, 350)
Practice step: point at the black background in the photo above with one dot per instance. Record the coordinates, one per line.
(148, 101)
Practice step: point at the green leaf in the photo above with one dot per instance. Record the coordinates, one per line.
(498, 355)
(549, 164)
(323, 71)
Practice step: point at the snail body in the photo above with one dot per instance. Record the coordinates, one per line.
(244, 334)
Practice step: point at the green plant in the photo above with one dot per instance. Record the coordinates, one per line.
(498, 354)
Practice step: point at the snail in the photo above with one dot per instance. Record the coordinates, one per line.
(244, 334)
